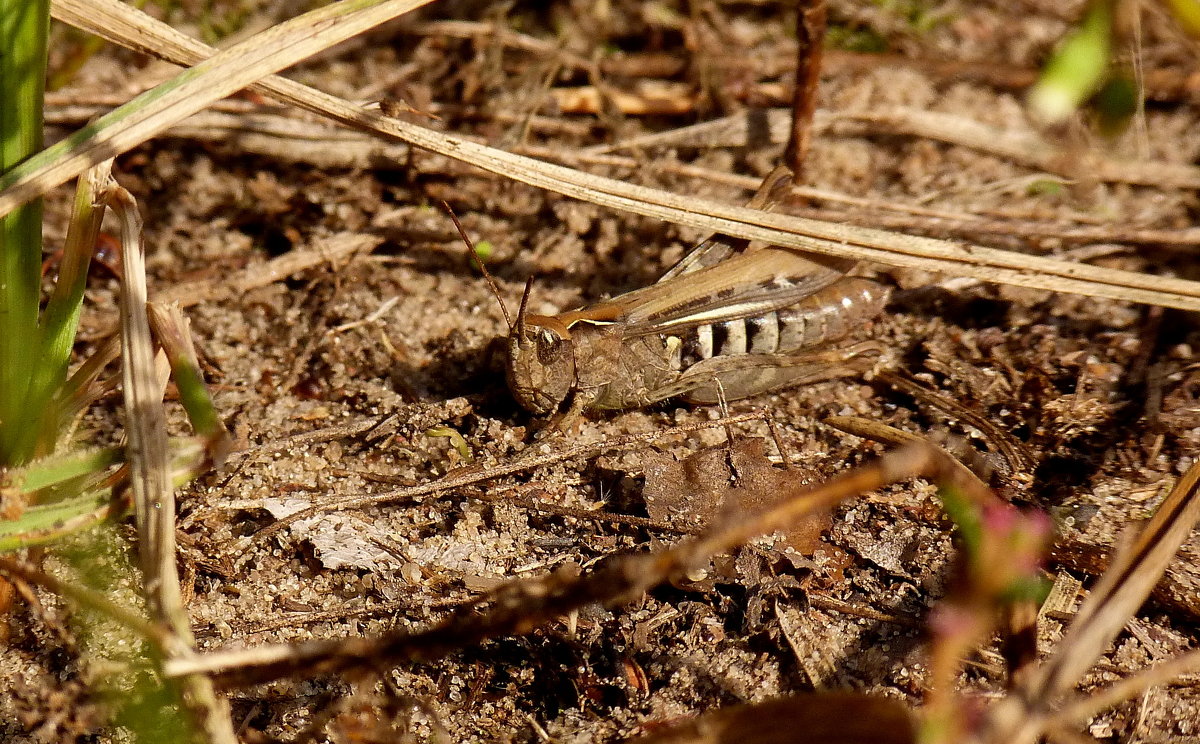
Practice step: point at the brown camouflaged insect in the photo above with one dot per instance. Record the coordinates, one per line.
(728, 321)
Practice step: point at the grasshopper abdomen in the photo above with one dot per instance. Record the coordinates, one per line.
(824, 316)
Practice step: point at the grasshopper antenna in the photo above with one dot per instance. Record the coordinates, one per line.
(523, 307)
(486, 274)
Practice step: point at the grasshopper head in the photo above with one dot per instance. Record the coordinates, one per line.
(541, 359)
(541, 363)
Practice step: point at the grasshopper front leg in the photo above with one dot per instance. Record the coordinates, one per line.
(566, 419)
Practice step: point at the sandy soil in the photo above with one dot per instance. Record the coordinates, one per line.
(1100, 396)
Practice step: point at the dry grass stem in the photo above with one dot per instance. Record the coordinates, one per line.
(478, 474)
(148, 458)
(288, 139)
(192, 90)
(1085, 707)
(844, 241)
(1134, 571)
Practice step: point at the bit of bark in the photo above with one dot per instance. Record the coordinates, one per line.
(810, 35)
(724, 481)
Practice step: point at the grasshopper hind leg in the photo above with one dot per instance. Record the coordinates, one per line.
(745, 375)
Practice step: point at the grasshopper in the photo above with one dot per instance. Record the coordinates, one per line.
(726, 322)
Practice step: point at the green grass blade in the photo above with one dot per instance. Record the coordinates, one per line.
(60, 319)
(24, 25)
(1078, 67)
(40, 525)
(56, 469)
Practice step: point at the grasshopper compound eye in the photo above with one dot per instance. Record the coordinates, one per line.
(550, 348)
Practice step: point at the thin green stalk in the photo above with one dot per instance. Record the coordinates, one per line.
(60, 319)
(24, 25)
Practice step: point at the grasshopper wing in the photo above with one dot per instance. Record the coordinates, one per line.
(719, 247)
(721, 279)
(716, 248)
(744, 286)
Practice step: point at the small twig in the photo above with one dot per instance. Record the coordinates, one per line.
(889, 435)
(1020, 462)
(477, 474)
(87, 598)
(829, 604)
(375, 315)
(520, 606)
(810, 37)
(594, 515)
(389, 609)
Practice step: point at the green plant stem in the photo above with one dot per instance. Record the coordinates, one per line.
(60, 319)
(24, 25)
